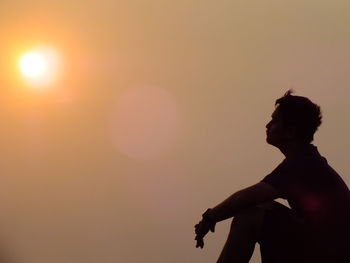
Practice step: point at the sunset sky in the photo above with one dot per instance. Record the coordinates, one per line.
(156, 112)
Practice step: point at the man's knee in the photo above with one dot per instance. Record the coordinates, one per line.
(250, 217)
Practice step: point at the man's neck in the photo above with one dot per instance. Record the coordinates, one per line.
(293, 149)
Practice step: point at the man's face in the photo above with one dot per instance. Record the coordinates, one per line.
(277, 134)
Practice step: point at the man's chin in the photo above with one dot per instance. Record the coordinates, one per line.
(267, 140)
(270, 142)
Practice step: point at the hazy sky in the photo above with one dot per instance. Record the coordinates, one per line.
(159, 113)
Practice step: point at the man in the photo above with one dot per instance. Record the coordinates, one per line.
(316, 226)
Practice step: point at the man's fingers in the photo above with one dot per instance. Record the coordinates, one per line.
(200, 233)
(197, 229)
(200, 243)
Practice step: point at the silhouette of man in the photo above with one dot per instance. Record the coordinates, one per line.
(316, 226)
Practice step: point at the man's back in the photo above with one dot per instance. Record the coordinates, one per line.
(317, 195)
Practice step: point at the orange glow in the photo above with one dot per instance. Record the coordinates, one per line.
(62, 51)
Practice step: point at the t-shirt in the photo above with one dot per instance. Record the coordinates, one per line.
(315, 192)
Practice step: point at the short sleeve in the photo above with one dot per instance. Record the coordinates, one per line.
(280, 177)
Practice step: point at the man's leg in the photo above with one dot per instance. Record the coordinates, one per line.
(243, 235)
(281, 236)
(273, 226)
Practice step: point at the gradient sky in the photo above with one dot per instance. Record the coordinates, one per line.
(159, 113)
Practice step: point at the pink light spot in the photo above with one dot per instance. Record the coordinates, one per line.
(146, 123)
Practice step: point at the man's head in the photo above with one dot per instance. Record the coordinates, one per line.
(295, 119)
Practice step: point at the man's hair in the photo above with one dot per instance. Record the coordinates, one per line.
(301, 113)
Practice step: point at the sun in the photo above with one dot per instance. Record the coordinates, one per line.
(33, 65)
(40, 67)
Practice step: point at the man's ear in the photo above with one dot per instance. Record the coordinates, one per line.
(291, 132)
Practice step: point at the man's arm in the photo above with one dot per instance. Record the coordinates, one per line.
(253, 195)
(250, 196)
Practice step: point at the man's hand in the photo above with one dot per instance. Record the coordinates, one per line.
(201, 229)
(250, 196)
